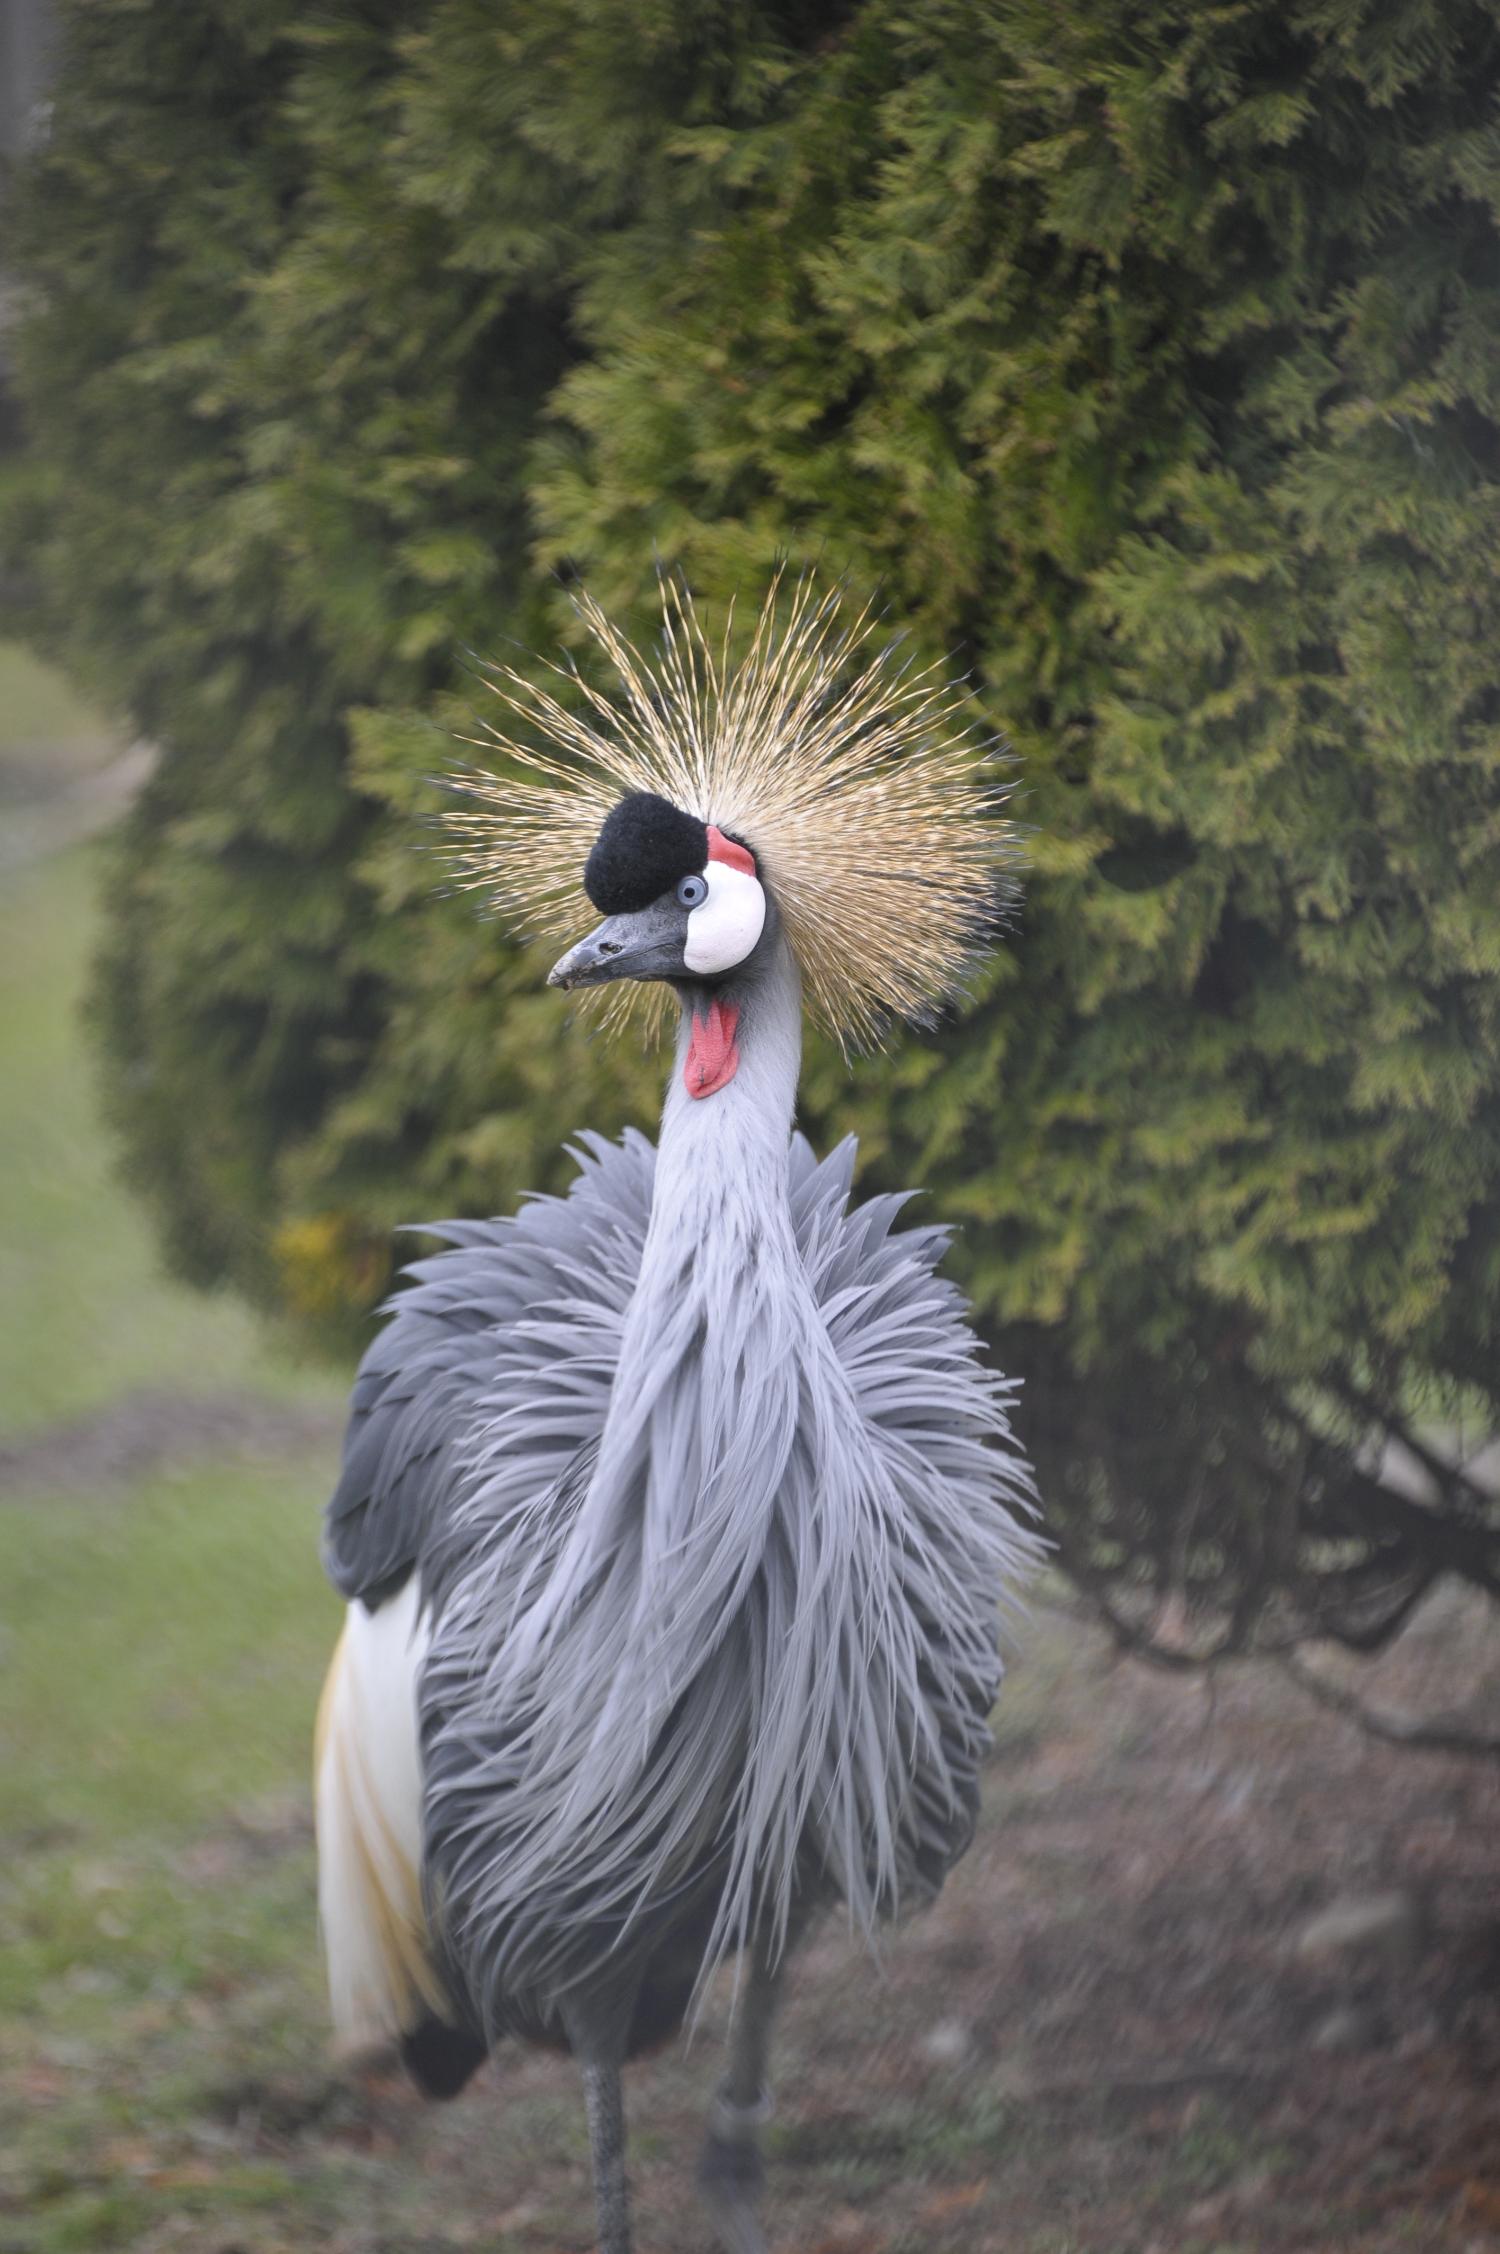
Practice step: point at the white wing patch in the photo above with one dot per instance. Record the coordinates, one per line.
(368, 1795)
(723, 928)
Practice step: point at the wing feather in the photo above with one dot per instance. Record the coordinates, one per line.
(424, 1384)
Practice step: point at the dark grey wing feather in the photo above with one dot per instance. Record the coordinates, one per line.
(425, 1380)
(412, 1402)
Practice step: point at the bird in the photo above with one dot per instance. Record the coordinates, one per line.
(679, 1514)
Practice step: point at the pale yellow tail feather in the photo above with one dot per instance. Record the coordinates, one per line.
(382, 1981)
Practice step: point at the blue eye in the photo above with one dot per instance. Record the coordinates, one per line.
(692, 892)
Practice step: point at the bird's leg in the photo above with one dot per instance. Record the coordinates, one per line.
(731, 2173)
(606, 2110)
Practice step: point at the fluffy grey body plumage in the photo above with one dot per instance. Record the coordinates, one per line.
(715, 1510)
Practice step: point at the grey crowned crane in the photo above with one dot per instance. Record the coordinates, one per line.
(678, 1514)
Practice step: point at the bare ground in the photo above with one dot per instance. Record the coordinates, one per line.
(1104, 2040)
(1104, 2037)
(153, 1428)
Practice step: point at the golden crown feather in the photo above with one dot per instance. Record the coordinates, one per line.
(866, 790)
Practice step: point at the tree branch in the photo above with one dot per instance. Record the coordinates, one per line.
(1390, 1729)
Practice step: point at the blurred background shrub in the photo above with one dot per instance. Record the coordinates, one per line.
(1142, 358)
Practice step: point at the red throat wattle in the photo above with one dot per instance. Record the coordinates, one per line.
(712, 1058)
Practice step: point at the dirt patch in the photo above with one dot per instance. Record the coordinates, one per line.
(1110, 2036)
(1105, 2039)
(1122, 1950)
(154, 1429)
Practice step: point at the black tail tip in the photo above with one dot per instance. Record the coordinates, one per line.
(440, 2059)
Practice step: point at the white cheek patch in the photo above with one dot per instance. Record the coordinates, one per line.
(723, 928)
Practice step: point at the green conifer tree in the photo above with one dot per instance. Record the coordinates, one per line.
(1142, 356)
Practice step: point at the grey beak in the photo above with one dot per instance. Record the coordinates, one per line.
(648, 943)
(588, 962)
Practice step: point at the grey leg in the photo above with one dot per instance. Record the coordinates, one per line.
(731, 2173)
(606, 2109)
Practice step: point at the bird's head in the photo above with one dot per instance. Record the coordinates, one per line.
(681, 900)
(812, 794)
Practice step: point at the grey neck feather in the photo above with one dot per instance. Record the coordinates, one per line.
(720, 1292)
(722, 1159)
(721, 1283)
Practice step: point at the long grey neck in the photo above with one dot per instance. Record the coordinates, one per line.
(720, 1257)
(718, 1287)
(729, 1151)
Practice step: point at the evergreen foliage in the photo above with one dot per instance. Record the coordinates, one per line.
(1143, 354)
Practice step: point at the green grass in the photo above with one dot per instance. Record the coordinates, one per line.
(48, 734)
(161, 1648)
(191, 1690)
(85, 1311)
(162, 1657)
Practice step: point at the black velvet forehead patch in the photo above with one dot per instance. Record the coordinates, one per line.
(646, 844)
